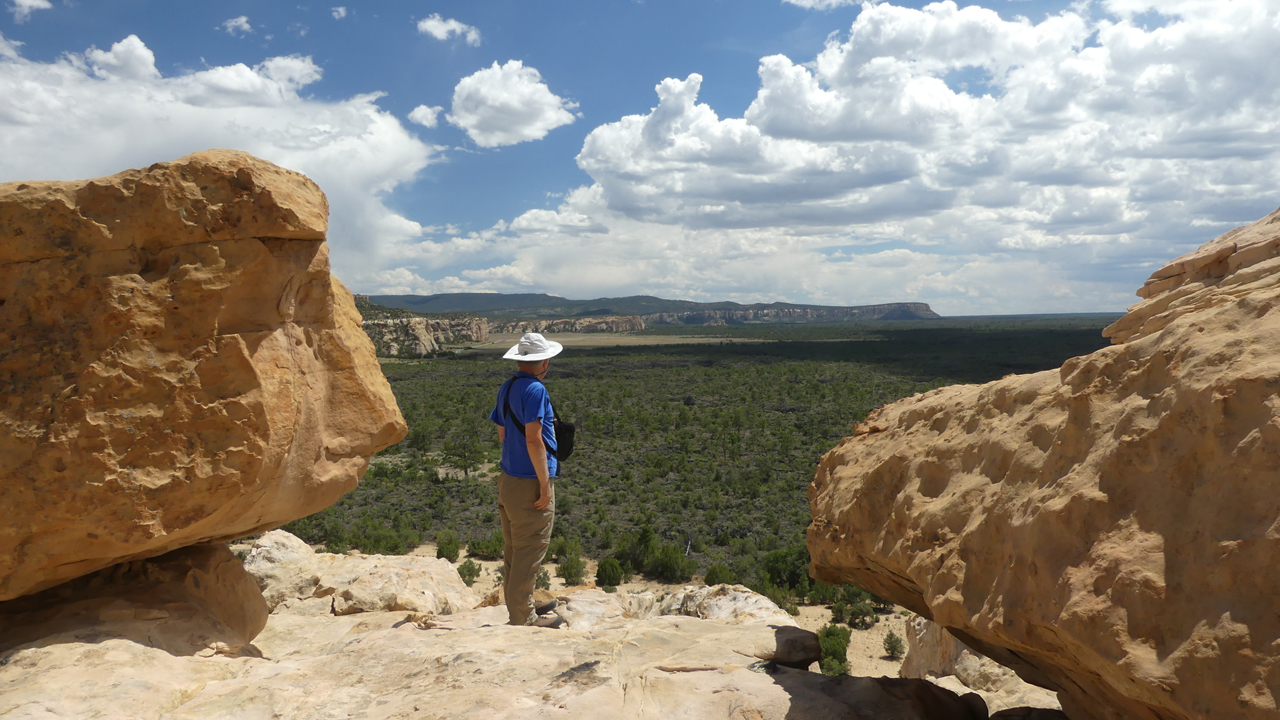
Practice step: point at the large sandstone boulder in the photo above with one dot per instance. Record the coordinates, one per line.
(177, 365)
(1108, 529)
(288, 570)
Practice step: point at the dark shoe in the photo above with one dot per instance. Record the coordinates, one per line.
(543, 608)
(550, 621)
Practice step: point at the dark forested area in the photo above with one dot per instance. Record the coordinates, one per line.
(691, 459)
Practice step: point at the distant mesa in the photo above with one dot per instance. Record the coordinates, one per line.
(417, 326)
(652, 310)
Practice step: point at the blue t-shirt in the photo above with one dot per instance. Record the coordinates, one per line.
(529, 400)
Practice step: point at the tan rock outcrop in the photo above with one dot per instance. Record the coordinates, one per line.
(465, 665)
(727, 604)
(177, 365)
(287, 569)
(934, 654)
(1106, 529)
(415, 337)
(732, 604)
(591, 324)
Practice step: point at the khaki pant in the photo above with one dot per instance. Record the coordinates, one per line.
(526, 534)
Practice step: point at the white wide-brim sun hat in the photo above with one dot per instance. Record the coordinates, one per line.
(532, 348)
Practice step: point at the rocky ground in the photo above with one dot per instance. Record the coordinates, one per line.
(394, 637)
(866, 647)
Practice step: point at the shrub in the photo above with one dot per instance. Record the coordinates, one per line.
(833, 667)
(638, 550)
(820, 594)
(880, 605)
(839, 613)
(670, 564)
(562, 547)
(788, 567)
(571, 569)
(719, 574)
(448, 545)
(779, 596)
(861, 615)
(893, 646)
(542, 581)
(609, 573)
(852, 594)
(834, 642)
(490, 549)
(469, 571)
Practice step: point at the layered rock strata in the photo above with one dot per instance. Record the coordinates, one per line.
(589, 324)
(177, 365)
(1104, 529)
(415, 337)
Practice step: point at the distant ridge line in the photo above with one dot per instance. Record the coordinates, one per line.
(654, 311)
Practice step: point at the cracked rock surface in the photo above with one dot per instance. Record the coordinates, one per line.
(177, 365)
(1108, 530)
(168, 660)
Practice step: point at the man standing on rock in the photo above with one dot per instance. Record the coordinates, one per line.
(526, 497)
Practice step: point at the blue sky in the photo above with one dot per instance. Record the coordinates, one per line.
(997, 157)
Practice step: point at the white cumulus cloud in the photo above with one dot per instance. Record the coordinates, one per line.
(507, 104)
(339, 12)
(22, 9)
(442, 29)
(98, 112)
(238, 25)
(941, 154)
(9, 48)
(425, 116)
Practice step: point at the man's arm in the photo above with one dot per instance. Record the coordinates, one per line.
(538, 455)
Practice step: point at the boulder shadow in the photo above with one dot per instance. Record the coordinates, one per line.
(193, 601)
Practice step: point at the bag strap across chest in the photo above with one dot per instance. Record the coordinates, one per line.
(506, 409)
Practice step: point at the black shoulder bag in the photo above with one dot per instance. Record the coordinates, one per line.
(564, 430)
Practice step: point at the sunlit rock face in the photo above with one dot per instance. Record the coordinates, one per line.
(1108, 529)
(290, 572)
(177, 365)
(422, 337)
(934, 654)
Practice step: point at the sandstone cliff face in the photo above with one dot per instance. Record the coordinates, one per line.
(414, 337)
(1108, 529)
(601, 324)
(889, 311)
(177, 365)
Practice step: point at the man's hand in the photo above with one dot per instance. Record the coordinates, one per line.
(538, 455)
